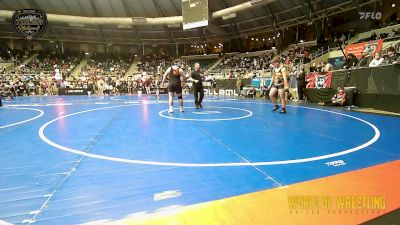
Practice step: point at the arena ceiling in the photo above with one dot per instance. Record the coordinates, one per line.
(271, 17)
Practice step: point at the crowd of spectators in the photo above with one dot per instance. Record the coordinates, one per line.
(101, 65)
(49, 64)
(388, 57)
(27, 85)
(393, 35)
(37, 77)
(236, 63)
(108, 85)
(108, 74)
(102, 85)
(43, 65)
(295, 55)
(153, 65)
(157, 65)
(367, 59)
(244, 67)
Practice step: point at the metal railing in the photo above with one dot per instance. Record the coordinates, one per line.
(395, 44)
(223, 73)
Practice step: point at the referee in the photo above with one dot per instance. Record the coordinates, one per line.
(197, 77)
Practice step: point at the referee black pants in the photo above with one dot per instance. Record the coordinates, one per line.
(198, 94)
(300, 91)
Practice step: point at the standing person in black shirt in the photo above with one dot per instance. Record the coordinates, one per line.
(214, 86)
(301, 83)
(197, 77)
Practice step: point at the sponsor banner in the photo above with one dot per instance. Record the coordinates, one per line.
(227, 92)
(256, 82)
(74, 91)
(371, 47)
(205, 84)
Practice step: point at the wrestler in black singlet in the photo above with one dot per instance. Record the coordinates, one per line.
(277, 78)
(174, 84)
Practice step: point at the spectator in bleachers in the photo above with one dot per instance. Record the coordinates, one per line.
(373, 36)
(377, 60)
(6, 90)
(392, 56)
(313, 68)
(383, 35)
(326, 67)
(396, 32)
(319, 68)
(365, 59)
(350, 62)
(230, 75)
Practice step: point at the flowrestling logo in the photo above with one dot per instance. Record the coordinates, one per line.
(370, 15)
(29, 24)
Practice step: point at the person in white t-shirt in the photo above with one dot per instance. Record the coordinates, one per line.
(377, 60)
(57, 74)
(66, 84)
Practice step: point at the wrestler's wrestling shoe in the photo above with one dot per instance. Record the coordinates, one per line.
(275, 108)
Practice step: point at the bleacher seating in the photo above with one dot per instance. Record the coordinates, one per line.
(102, 65)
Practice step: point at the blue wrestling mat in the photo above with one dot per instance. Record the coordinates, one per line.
(76, 159)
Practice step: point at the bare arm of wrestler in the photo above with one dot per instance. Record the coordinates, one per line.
(285, 78)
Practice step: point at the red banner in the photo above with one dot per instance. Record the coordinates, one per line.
(316, 80)
(371, 47)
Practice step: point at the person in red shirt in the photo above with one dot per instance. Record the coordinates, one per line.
(339, 99)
